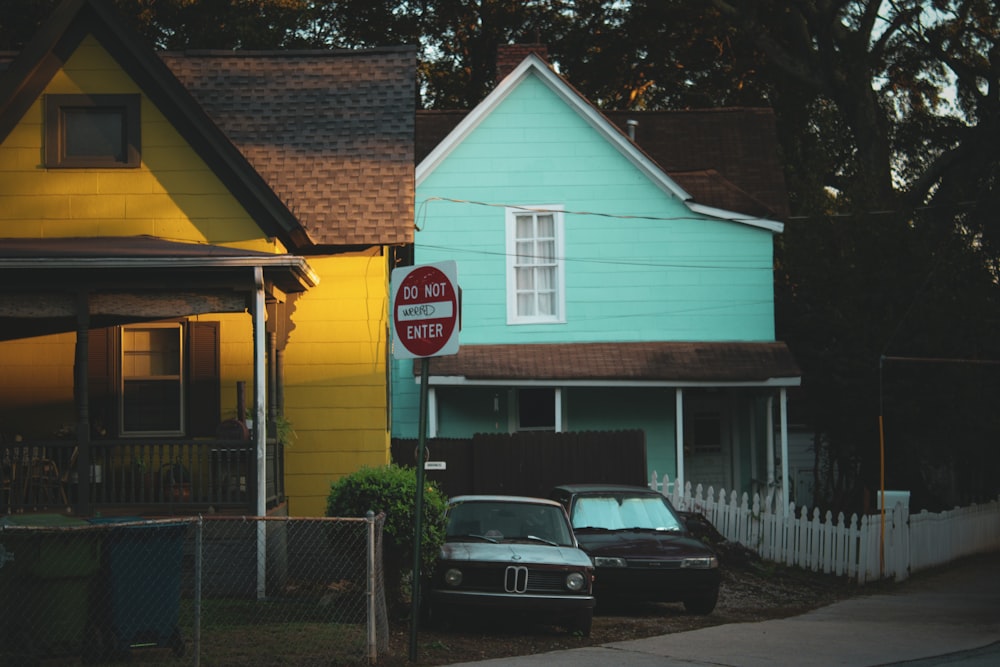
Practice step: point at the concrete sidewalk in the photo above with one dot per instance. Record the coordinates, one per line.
(949, 611)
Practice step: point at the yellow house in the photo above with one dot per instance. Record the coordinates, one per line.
(193, 245)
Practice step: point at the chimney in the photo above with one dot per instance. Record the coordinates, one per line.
(509, 56)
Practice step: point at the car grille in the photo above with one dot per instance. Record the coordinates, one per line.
(515, 579)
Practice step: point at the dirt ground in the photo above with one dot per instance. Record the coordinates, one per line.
(751, 591)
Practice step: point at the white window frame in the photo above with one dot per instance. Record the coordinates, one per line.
(516, 396)
(178, 377)
(559, 268)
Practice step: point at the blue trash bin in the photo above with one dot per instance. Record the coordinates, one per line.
(140, 585)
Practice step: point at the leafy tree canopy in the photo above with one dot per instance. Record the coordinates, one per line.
(888, 113)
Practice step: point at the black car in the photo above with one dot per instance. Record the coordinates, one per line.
(640, 546)
(513, 555)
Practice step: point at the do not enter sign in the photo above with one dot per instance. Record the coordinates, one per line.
(425, 310)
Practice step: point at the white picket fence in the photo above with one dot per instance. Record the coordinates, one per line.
(866, 548)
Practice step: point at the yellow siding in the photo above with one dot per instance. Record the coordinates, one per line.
(36, 395)
(335, 379)
(335, 362)
(173, 195)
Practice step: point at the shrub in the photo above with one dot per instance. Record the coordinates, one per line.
(392, 489)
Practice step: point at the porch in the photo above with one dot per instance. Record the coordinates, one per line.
(139, 477)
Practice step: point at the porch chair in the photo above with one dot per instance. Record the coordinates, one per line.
(8, 481)
(42, 483)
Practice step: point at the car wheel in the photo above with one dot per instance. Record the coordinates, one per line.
(703, 603)
(580, 624)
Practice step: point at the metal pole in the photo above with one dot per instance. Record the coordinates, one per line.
(198, 542)
(372, 645)
(418, 510)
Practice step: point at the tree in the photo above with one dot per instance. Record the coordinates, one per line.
(892, 248)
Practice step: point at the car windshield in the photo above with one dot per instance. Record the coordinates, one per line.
(498, 521)
(621, 512)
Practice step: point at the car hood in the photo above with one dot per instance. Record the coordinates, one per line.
(637, 544)
(514, 552)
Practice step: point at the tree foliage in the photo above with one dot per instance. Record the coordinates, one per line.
(889, 121)
(392, 489)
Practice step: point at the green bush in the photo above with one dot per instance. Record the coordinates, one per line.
(392, 489)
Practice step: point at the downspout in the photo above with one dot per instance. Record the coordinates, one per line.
(260, 425)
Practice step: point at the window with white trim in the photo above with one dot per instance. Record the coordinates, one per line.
(536, 409)
(535, 289)
(152, 390)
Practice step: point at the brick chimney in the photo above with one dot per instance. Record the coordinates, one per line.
(509, 56)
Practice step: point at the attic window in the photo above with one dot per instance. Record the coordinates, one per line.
(92, 131)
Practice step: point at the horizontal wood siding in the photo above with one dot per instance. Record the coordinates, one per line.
(172, 195)
(335, 379)
(640, 265)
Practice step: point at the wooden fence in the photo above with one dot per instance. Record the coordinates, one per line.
(865, 548)
(529, 463)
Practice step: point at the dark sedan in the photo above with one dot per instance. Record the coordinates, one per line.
(514, 555)
(640, 546)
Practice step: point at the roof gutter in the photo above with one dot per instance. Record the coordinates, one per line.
(763, 223)
(462, 381)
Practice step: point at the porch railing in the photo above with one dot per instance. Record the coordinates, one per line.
(156, 475)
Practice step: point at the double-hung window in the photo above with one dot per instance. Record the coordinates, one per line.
(535, 272)
(152, 391)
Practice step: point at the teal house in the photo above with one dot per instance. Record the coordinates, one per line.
(616, 272)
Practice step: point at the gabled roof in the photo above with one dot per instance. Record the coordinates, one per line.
(720, 162)
(330, 131)
(317, 146)
(737, 146)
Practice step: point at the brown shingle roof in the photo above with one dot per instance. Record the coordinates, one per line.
(739, 143)
(330, 131)
(720, 362)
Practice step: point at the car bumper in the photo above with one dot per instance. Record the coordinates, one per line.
(653, 584)
(513, 601)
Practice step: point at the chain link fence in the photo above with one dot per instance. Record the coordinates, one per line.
(187, 591)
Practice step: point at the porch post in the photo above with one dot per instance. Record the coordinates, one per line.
(679, 437)
(432, 409)
(784, 449)
(559, 409)
(770, 443)
(81, 394)
(260, 424)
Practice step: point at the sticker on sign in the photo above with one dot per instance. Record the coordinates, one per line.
(425, 310)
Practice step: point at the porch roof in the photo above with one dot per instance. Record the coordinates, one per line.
(132, 279)
(287, 272)
(627, 363)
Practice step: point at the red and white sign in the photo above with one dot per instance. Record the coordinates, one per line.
(425, 310)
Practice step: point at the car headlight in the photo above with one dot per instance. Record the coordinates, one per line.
(703, 563)
(608, 561)
(575, 581)
(453, 577)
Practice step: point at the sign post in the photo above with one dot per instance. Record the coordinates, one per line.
(425, 314)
